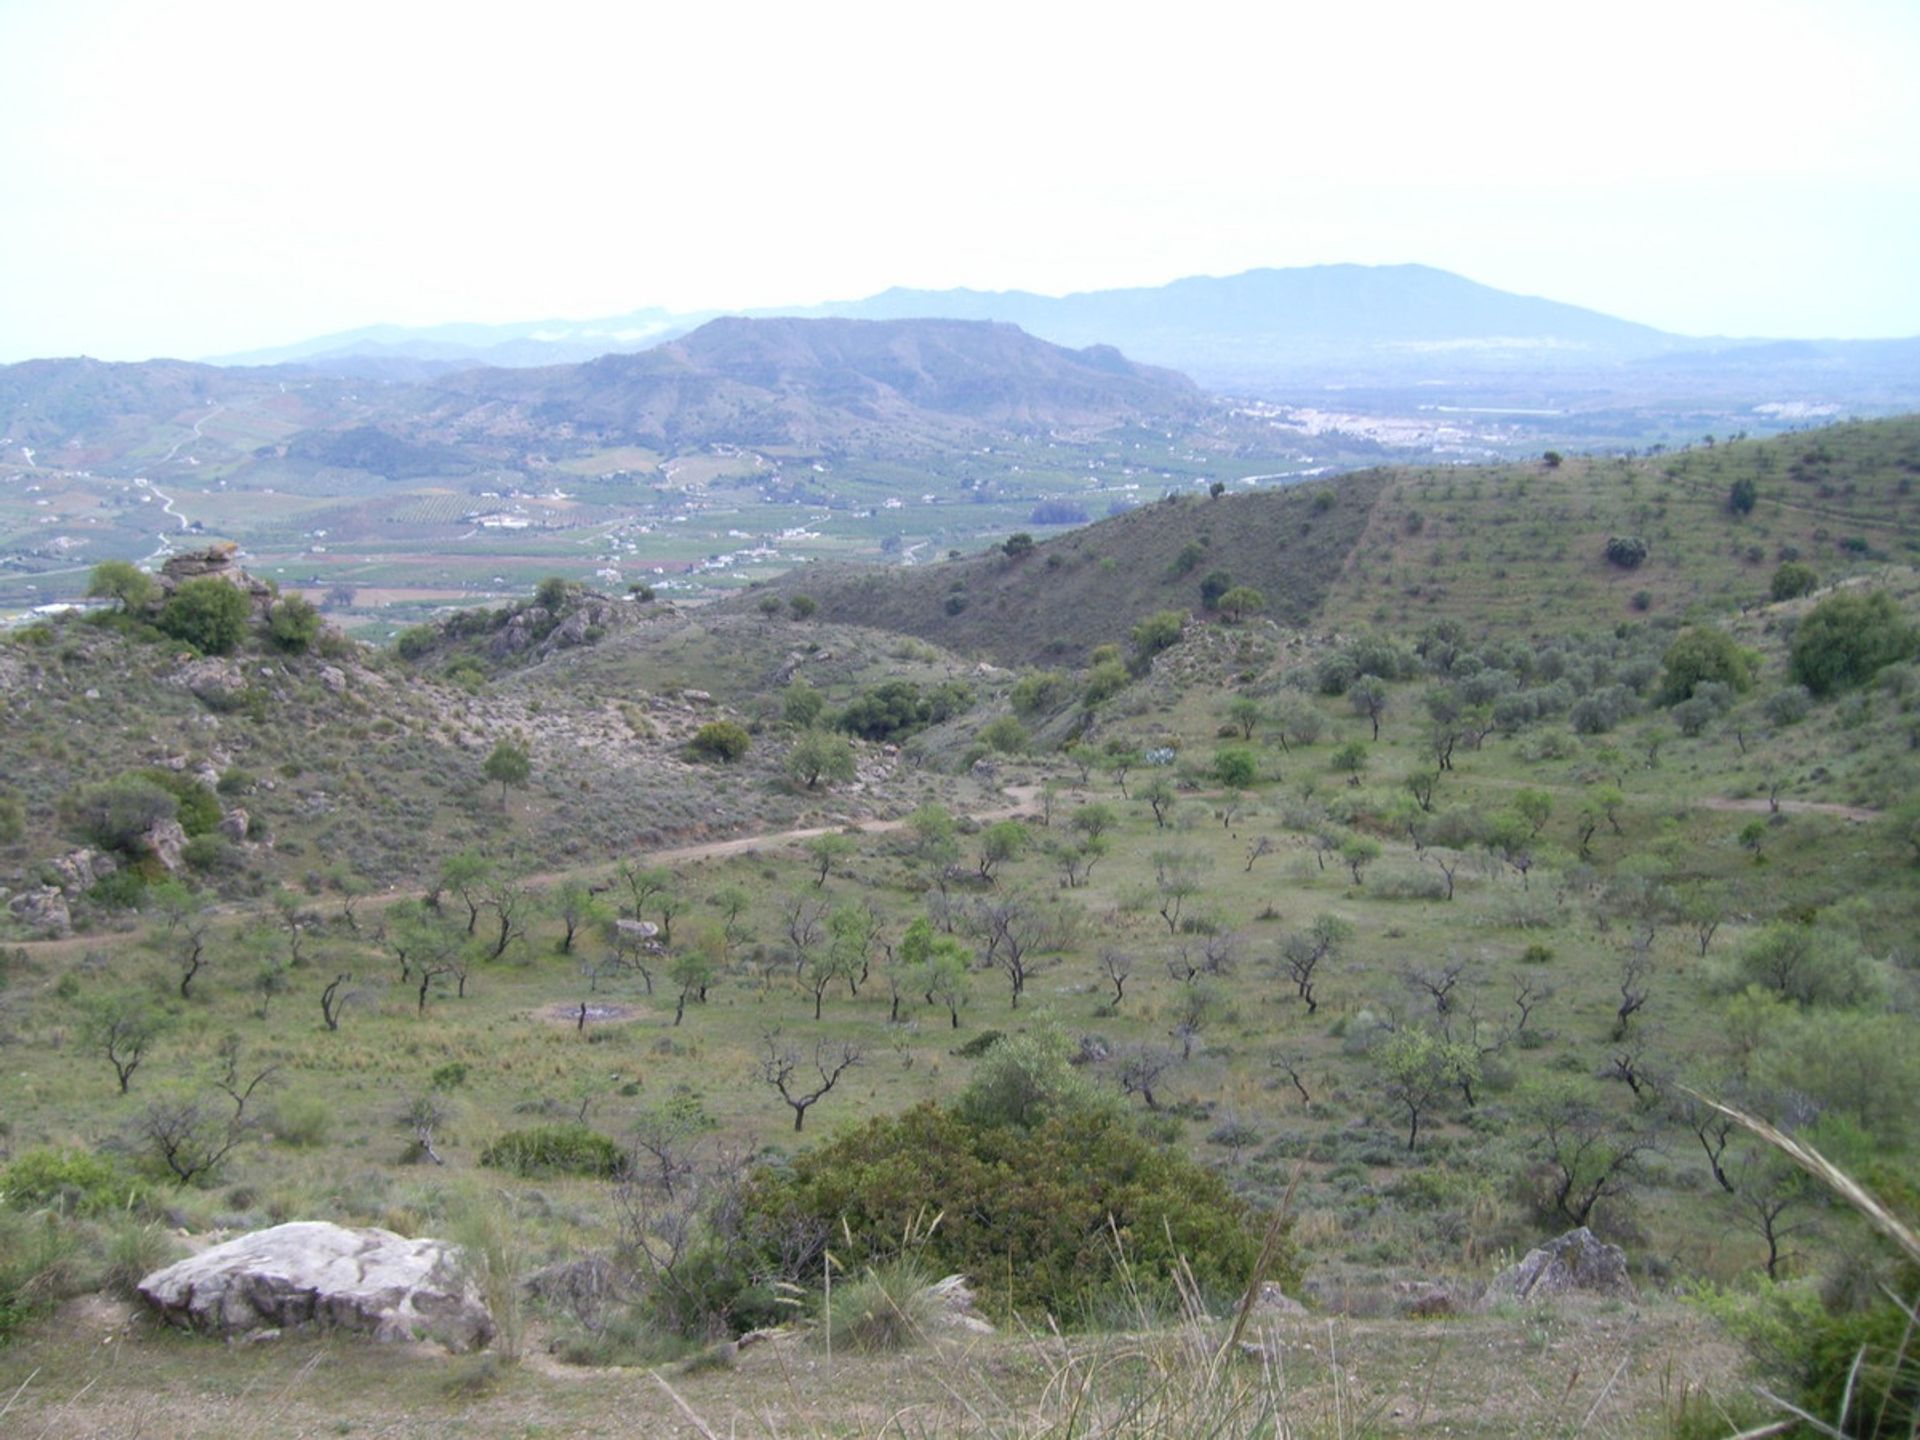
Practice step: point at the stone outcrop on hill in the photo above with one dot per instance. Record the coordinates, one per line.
(1575, 1263)
(313, 1275)
(216, 561)
(44, 911)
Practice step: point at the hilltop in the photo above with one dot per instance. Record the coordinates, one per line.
(812, 383)
(1501, 549)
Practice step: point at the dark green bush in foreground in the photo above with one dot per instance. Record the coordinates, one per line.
(1031, 1216)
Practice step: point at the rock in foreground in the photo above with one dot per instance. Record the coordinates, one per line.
(314, 1275)
(1574, 1263)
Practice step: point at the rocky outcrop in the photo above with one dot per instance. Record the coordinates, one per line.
(234, 825)
(165, 841)
(953, 1301)
(44, 911)
(1272, 1300)
(76, 871)
(312, 1275)
(214, 682)
(216, 561)
(1576, 1263)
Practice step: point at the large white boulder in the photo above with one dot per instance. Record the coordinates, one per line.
(310, 1274)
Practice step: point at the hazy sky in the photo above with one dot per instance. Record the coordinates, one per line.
(199, 176)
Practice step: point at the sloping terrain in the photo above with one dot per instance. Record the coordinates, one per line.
(810, 382)
(1088, 586)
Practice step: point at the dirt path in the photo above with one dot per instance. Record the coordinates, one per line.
(1022, 796)
(1758, 806)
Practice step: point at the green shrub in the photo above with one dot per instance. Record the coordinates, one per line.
(195, 807)
(1006, 735)
(1033, 1214)
(211, 854)
(1105, 680)
(302, 1121)
(1792, 580)
(416, 641)
(41, 1263)
(293, 624)
(1039, 693)
(208, 614)
(1846, 639)
(721, 740)
(115, 814)
(980, 1044)
(73, 1182)
(1703, 655)
(555, 1150)
(134, 1251)
(1626, 551)
(885, 1310)
(124, 889)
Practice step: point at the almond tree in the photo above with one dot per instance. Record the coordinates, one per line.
(781, 1067)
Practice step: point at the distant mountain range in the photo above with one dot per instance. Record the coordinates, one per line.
(1219, 330)
(833, 384)
(1272, 333)
(808, 382)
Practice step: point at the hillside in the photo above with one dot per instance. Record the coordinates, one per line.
(1503, 549)
(1087, 587)
(812, 383)
(1395, 948)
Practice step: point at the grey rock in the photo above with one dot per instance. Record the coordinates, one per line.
(953, 1301)
(165, 841)
(312, 1275)
(334, 678)
(1575, 1263)
(1272, 1300)
(77, 870)
(44, 910)
(234, 824)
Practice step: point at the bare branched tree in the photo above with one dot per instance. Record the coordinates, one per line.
(780, 1068)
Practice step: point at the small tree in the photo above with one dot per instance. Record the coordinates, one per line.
(1242, 601)
(122, 1027)
(1368, 696)
(120, 581)
(1001, 842)
(1416, 1068)
(1358, 852)
(1177, 876)
(781, 1069)
(577, 908)
(818, 756)
(1244, 713)
(827, 851)
(1586, 1150)
(507, 765)
(1305, 953)
(1158, 793)
(1741, 496)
